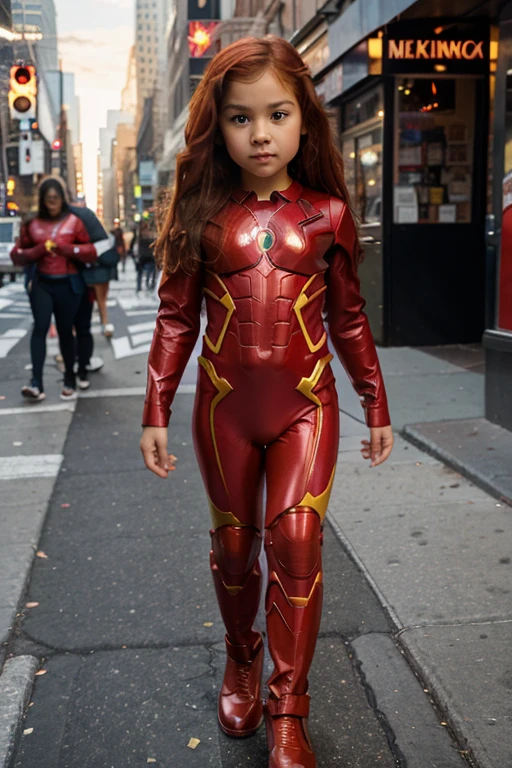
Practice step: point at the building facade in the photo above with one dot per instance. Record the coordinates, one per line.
(419, 100)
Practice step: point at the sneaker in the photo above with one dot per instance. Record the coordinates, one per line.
(68, 393)
(95, 364)
(82, 381)
(108, 330)
(33, 393)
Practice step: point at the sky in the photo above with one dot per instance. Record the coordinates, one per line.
(95, 37)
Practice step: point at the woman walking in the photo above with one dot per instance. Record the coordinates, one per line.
(54, 243)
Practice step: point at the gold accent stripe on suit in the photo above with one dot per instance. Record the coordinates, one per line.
(306, 386)
(300, 303)
(298, 602)
(228, 303)
(220, 518)
(223, 388)
(319, 503)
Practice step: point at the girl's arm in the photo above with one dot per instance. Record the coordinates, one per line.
(348, 324)
(176, 332)
(25, 251)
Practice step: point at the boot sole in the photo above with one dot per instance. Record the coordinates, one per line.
(240, 734)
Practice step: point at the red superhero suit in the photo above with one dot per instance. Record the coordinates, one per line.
(266, 408)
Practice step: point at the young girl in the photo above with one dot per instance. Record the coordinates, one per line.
(260, 225)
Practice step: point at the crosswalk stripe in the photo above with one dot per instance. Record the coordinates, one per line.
(22, 467)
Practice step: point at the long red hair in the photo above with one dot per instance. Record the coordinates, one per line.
(205, 173)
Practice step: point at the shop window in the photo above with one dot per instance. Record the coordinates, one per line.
(433, 150)
(362, 155)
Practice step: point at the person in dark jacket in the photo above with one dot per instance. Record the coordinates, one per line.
(54, 243)
(144, 238)
(105, 248)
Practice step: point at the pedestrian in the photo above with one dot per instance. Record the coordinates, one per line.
(107, 258)
(55, 245)
(144, 240)
(99, 277)
(260, 224)
(120, 243)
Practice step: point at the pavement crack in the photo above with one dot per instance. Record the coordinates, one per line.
(399, 757)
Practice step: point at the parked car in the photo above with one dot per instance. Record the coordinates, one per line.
(9, 231)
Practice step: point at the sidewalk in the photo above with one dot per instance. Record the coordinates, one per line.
(435, 546)
(423, 573)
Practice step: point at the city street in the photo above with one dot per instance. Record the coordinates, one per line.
(105, 575)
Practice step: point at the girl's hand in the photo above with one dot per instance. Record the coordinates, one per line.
(379, 446)
(153, 445)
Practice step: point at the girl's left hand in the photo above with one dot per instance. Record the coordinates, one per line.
(379, 446)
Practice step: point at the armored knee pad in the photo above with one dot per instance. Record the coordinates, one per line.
(293, 543)
(234, 552)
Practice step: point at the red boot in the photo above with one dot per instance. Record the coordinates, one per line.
(237, 579)
(294, 608)
(240, 705)
(287, 735)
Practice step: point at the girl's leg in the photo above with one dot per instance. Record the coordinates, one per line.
(66, 305)
(232, 470)
(300, 471)
(101, 291)
(42, 307)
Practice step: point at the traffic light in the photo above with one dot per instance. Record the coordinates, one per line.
(23, 92)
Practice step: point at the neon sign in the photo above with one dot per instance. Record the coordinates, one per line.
(436, 49)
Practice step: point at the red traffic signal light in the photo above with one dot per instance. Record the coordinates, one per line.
(23, 75)
(56, 145)
(23, 92)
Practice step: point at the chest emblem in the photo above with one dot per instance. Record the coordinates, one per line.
(265, 240)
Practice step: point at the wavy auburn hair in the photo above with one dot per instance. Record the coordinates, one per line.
(205, 173)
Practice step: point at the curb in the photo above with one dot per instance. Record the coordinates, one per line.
(429, 446)
(16, 684)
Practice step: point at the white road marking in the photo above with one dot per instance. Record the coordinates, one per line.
(4, 303)
(13, 316)
(136, 312)
(141, 338)
(9, 339)
(21, 467)
(141, 327)
(122, 348)
(183, 389)
(31, 408)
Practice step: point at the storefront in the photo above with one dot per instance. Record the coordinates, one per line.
(413, 109)
(497, 339)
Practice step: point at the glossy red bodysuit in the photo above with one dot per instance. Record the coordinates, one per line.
(266, 408)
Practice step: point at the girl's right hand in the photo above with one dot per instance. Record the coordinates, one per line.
(153, 445)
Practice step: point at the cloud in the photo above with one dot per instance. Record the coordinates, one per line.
(76, 40)
(98, 57)
(121, 4)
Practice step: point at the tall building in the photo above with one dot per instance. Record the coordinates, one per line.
(150, 23)
(107, 184)
(38, 18)
(129, 92)
(5, 19)
(151, 19)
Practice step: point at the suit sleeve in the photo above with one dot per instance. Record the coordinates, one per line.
(176, 332)
(26, 251)
(348, 325)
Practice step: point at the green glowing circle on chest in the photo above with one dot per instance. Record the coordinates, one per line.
(265, 239)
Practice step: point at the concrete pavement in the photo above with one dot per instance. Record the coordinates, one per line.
(413, 661)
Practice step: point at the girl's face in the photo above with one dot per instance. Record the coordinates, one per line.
(53, 202)
(261, 123)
